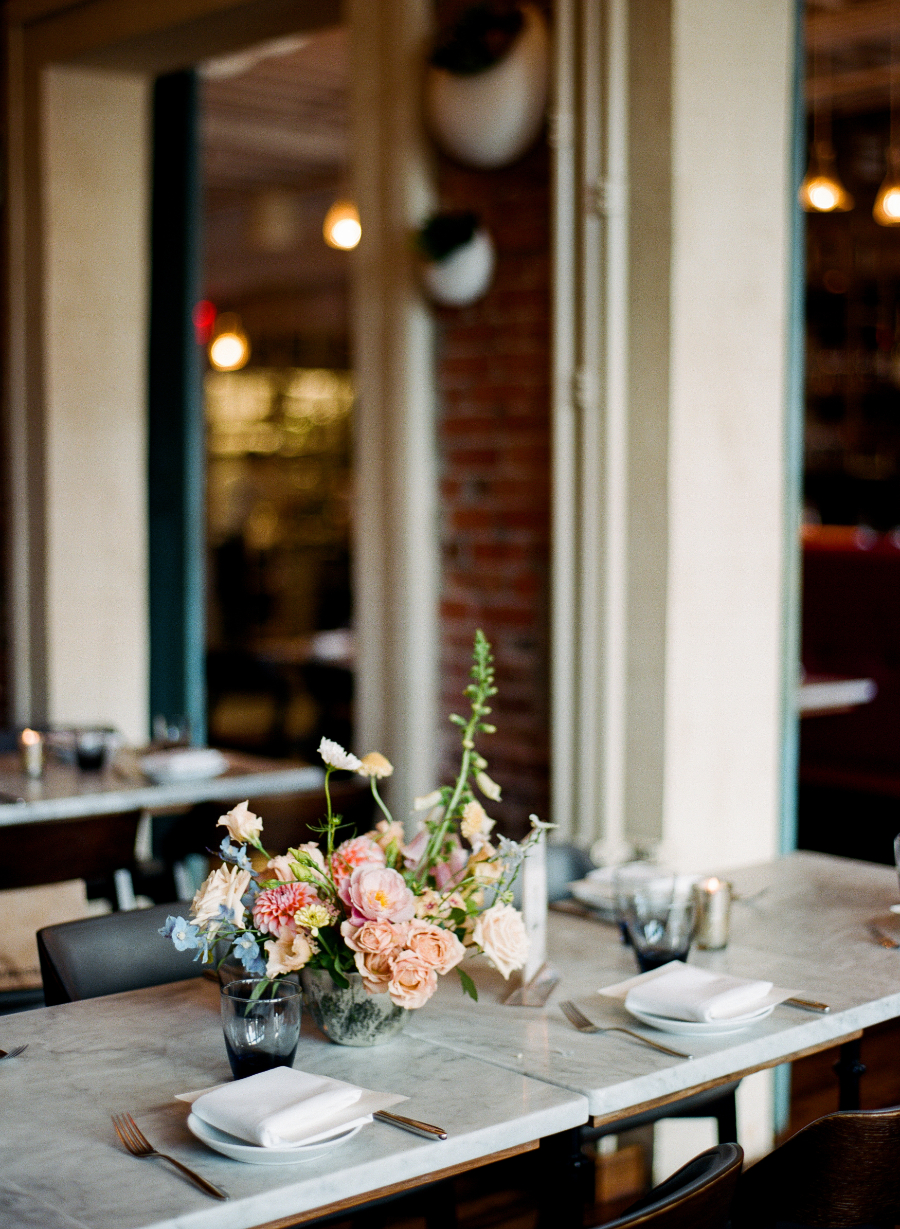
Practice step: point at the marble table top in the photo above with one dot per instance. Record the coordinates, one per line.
(64, 792)
(61, 1166)
(802, 924)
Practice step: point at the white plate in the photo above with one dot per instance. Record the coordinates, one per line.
(183, 764)
(700, 1028)
(252, 1154)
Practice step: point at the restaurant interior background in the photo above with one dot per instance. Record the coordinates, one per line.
(698, 597)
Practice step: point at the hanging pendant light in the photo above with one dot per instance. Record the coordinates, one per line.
(821, 190)
(341, 228)
(229, 349)
(886, 210)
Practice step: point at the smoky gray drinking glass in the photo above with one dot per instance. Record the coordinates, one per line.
(261, 1022)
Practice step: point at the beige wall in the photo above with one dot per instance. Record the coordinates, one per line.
(96, 279)
(732, 72)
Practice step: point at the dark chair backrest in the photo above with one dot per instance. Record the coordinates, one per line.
(89, 847)
(843, 1169)
(697, 1196)
(105, 955)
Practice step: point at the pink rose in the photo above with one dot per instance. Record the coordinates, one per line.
(381, 894)
(501, 935)
(436, 947)
(281, 869)
(375, 968)
(412, 982)
(374, 936)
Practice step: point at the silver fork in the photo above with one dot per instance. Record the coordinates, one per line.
(138, 1145)
(13, 1053)
(584, 1025)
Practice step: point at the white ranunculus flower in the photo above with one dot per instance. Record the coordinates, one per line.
(243, 826)
(335, 755)
(224, 886)
(501, 935)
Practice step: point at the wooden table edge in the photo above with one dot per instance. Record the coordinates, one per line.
(602, 1120)
(396, 1188)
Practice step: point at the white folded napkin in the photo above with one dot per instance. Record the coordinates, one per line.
(684, 992)
(276, 1108)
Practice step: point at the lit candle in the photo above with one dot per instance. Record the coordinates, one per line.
(31, 749)
(713, 897)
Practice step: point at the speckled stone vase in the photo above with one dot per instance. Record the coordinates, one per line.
(350, 1017)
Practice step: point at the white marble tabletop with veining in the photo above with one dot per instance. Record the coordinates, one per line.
(62, 1167)
(802, 924)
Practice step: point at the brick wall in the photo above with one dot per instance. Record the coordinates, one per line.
(494, 452)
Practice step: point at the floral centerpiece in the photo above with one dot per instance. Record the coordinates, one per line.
(398, 913)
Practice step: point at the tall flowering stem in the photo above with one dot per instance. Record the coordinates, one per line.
(479, 691)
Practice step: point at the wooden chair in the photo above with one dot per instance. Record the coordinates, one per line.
(106, 955)
(92, 848)
(843, 1169)
(697, 1196)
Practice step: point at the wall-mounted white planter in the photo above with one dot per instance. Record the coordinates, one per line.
(462, 276)
(489, 119)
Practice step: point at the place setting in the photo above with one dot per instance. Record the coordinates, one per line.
(661, 915)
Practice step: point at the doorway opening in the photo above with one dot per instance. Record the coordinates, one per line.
(274, 137)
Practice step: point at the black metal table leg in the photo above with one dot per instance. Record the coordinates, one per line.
(567, 1177)
(848, 1069)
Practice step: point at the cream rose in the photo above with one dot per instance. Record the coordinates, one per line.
(288, 954)
(437, 947)
(412, 982)
(378, 936)
(500, 933)
(243, 826)
(375, 968)
(224, 886)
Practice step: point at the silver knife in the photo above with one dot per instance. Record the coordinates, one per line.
(411, 1124)
(808, 1005)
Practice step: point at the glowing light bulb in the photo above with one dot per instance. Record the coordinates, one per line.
(821, 190)
(886, 210)
(229, 350)
(342, 229)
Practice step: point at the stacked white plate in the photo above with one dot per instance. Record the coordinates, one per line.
(183, 764)
(253, 1154)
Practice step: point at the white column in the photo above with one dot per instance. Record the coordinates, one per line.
(673, 199)
(95, 175)
(395, 526)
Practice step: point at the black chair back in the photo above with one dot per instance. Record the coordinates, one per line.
(697, 1196)
(841, 1170)
(105, 955)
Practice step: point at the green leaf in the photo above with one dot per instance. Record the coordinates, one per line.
(467, 984)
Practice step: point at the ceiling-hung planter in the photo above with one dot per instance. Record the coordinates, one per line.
(487, 82)
(457, 258)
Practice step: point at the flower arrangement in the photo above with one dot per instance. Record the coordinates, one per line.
(400, 914)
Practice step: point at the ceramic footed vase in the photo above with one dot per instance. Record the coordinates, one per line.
(352, 1016)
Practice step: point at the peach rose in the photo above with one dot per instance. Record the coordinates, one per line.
(288, 954)
(412, 982)
(374, 936)
(500, 933)
(438, 948)
(224, 886)
(243, 826)
(281, 869)
(375, 968)
(378, 893)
